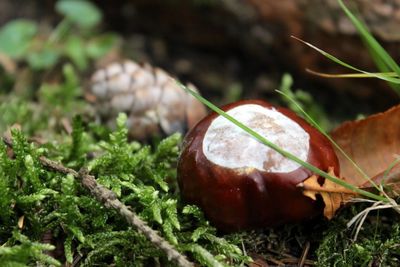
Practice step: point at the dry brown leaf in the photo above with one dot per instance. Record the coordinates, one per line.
(390, 178)
(372, 143)
(333, 195)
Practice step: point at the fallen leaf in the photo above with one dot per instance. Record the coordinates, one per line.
(372, 143)
(390, 178)
(333, 195)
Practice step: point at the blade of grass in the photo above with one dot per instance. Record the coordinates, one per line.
(383, 68)
(370, 40)
(351, 75)
(316, 125)
(344, 64)
(266, 142)
(382, 59)
(389, 169)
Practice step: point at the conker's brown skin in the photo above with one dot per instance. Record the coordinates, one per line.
(234, 199)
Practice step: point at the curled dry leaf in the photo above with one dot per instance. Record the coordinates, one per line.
(372, 143)
(333, 195)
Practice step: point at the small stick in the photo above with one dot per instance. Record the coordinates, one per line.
(110, 200)
(304, 254)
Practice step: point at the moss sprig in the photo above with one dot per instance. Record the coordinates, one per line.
(53, 198)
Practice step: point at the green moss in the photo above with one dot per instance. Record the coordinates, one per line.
(48, 218)
(142, 177)
(376, 245)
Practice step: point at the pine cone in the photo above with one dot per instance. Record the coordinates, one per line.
(154, 102)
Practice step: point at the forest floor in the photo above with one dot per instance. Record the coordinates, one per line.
(45, 76)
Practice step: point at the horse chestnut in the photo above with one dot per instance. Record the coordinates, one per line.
(239, 182)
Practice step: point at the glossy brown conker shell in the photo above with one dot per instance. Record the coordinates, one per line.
(234, 199)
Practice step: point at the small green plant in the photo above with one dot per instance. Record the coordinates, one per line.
(72, 39)
(25, 251)
(303, 103)
(54, 102)
(63, 96)
(377, 245)
(142, 177)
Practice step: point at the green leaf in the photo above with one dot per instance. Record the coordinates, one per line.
(168, 147)
(193, 210)
(158, 179)
(101, 45)
(16, 37)
(40, 195)
(83, 13)
(44, 59)
(223, 245)
(25, 252)
(156, 210)
(75, 50)
(69, 255)
(199, 232)
(72, 81)
(77, 233)
(203, 256)
(169, 232)
(172, 213)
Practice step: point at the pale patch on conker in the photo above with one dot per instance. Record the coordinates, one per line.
(227, 145)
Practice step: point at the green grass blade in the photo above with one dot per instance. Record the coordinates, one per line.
(370, 40)
(344, 64)
(389, 169)
(266, 142)
(383, 68)
(316, 125)
(382, 59)
(351, 75)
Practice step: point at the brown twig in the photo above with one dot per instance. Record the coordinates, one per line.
(304, 255)
(109, 199)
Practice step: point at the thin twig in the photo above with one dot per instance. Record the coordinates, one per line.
(304, 254)
(109, 199)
